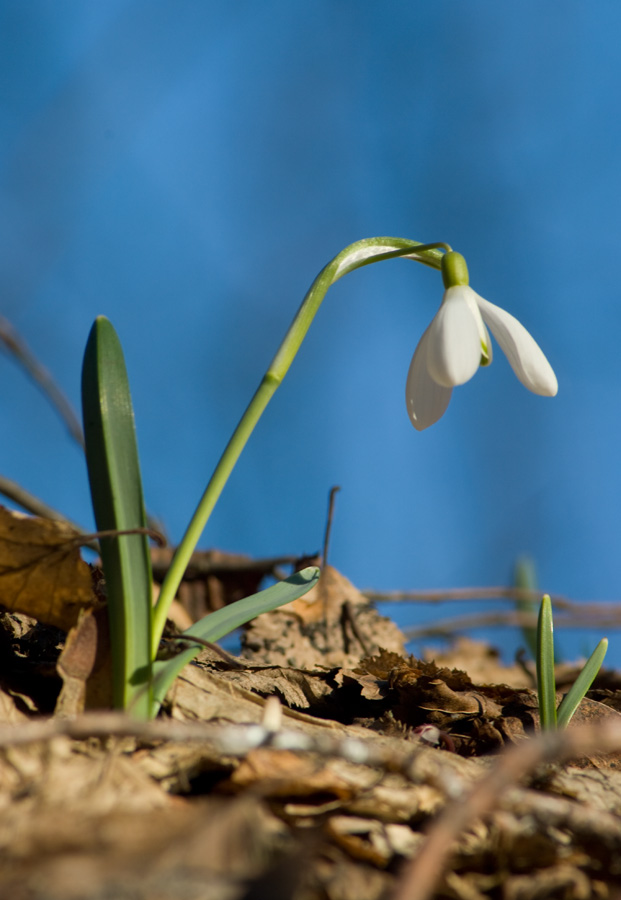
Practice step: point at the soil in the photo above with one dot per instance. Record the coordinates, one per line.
(323, 764)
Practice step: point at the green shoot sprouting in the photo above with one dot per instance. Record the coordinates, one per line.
(550, 716)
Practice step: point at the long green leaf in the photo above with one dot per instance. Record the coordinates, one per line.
(583, 682)
(217, 624)
(546, 684)
(116, 492)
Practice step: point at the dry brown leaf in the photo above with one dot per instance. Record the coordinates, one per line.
(371, 840)
(340, 879)
(287, 774)
(482, 663)
(591, 711)
(41, 571)
(85, 666)
(10, 713)
(480, 718)
(205, 850)
(559, 881)
(295, 687)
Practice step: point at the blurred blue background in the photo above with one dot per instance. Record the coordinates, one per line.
(187, 168)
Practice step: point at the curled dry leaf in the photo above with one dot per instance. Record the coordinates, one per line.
(41, 571)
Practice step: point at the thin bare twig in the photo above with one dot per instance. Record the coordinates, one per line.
(87, 540)
(326, 538)
(215, 648)
(498, 592)
(203, 563)
(324, 558)
(82, 538)
(16, 345)
(230, 739)
(104, 724)
(580, 618)
(490, 594)
(32, 504)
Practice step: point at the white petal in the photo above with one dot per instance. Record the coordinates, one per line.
(486, 344)
(524, 354)
(454, 348)
(425, 399)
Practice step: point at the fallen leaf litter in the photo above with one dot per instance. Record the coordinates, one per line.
(340, 798)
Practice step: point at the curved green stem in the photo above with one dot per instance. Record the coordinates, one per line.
(362, 253)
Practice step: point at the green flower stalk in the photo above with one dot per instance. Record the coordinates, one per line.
(449, 353)
(362, 253)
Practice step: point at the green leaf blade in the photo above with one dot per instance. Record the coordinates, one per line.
(221, 622)
(581, 685)
(116, 492)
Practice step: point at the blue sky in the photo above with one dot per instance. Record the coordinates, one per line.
(187, 168)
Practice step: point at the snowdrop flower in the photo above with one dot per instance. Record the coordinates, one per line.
(457, 343)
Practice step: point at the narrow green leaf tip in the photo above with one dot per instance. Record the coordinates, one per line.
(581, 685)
(546, 684)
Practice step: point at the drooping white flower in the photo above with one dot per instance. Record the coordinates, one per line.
(457, 342)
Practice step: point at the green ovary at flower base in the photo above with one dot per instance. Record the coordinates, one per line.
(457, 342)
